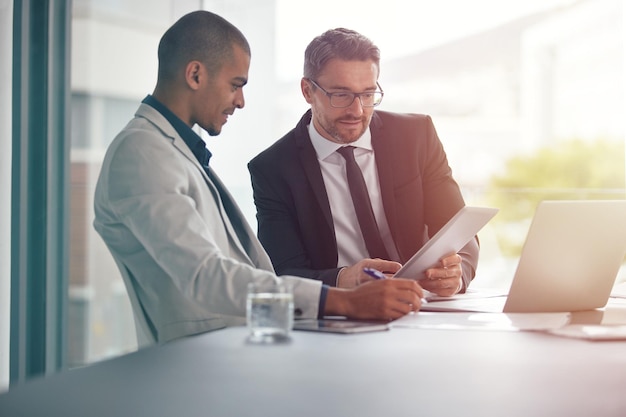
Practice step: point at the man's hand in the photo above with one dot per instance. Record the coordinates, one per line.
(445, 280)
(387, 299)
(352, 276)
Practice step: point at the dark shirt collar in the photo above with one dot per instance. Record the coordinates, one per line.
(191, 138)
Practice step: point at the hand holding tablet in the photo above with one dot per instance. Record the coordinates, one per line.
(455, 234)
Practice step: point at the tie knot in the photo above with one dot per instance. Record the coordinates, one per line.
(347, 152)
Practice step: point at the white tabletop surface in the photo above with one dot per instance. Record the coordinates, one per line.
(400, 372)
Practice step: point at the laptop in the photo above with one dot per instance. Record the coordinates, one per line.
(569, 261)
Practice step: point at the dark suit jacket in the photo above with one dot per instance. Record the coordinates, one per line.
(418, 191)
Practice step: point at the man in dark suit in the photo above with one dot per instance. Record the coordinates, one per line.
(307, 219)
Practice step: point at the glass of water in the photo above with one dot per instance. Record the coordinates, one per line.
(269, 311)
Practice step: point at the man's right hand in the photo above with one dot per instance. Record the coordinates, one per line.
(387, 299)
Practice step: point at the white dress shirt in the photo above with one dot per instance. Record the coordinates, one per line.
(350, 243)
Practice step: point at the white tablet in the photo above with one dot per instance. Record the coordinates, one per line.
(455, 234)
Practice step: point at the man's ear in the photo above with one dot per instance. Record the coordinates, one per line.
(193, 74)
(305, 86)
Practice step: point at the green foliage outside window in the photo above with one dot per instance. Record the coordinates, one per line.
(572, 170)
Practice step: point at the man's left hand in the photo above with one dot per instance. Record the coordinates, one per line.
(445, 280)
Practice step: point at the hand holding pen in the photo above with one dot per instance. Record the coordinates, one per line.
(376, 274)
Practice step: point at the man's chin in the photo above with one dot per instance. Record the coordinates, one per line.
(212, 131)
(346, 141)
(348, 138)
(349, 135)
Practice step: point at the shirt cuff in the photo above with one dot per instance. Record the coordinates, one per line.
(339, 273)
(322, 304)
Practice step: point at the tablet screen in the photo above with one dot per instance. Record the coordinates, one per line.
(455, 234)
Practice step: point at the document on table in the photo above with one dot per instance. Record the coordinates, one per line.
(619, 291)
(595, 332)
(483, 321)
(470, 294)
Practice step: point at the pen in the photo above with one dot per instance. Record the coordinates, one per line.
(376, 274)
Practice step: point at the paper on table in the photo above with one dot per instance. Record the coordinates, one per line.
(471, 293)
(483, 321)
(619, 291)
(595, 332)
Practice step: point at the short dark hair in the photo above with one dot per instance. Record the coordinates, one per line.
(202, 36)
(338, 43)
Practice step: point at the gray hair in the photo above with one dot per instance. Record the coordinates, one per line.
(338, 43)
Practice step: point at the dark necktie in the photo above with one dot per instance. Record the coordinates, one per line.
(363, 206)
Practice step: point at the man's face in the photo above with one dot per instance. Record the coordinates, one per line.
(220, 94)
(341, 125)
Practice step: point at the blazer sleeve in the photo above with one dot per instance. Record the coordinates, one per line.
(443, 198)
(420, 193)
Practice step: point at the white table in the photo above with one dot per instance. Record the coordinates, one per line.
(401, 372)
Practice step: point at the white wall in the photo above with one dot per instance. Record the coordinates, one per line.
(6, 27)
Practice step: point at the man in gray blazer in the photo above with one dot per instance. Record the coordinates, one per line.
(307, 220)
(181, 243)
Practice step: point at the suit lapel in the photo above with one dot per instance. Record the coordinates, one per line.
(384, 165)
(238, 226)
(231, 216)
(238, 230)
(311, 168)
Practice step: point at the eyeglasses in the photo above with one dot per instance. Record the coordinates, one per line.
(345, 99)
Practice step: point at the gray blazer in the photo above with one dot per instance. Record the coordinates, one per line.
(183, 247)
